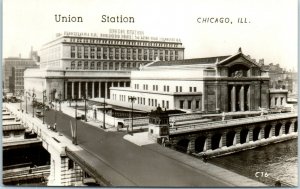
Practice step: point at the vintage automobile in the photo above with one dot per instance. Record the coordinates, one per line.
(38, 113)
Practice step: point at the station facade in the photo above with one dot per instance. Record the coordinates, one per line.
(76, 65)
(210, 85)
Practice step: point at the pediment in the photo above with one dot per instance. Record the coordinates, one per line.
(238, 59)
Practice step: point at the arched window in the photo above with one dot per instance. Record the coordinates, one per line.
(72, 65)
(79, 65)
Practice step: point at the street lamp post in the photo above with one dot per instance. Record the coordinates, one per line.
(59, 95)
(33, 96)
(26, 101)
(85, 99)
(132, 99)
(104, 113)
(44, 98)
(75, 133)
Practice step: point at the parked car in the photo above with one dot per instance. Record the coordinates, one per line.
(39, 113)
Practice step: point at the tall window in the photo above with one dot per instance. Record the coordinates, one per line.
(104, 66)
(79, 52)
(79, 65)
(189, 104)
(72, 65)
(98, 65)
(72, 51)
(86, 65)
(117, 66)
(93, 52)
(86, 52)
(99, 53)
(181, 103)
(92, 65)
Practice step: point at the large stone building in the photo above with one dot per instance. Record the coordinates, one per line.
(88, 64)
(13, 72)
(214, 84)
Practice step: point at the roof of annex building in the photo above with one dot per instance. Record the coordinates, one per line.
(207, 60)
(216, 60)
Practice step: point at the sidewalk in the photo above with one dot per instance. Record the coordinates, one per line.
(139, 139)
(66, 109)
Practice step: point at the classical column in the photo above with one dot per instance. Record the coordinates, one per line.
(79, 89)
(93, 89)
(242, 100)
(233, 99)
(99, 89)
(106, 89)
(72, 89)
(118, 83)
(248, 98)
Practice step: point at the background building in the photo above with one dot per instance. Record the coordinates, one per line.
(88, 64)
(281, 78)
(13, 73)
(214, 84)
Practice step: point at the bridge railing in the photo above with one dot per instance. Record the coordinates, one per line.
(232, 122)
(88, 168)
(27, 170)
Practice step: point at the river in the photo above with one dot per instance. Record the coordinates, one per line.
(266, 164)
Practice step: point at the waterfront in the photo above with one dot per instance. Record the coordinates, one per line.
(266, 164)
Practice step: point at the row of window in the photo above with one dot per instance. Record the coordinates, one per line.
(166, 88)
(8, 134)
(277, 102)
(142, 101)
(122, 53)
(122, 42)
(189, 104)
(104, 65)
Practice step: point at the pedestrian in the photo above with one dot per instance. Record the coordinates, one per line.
(204, 156)
(54, 127)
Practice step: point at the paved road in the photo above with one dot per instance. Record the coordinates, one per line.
(140, 165)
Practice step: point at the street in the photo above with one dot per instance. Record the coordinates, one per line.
(141, 165)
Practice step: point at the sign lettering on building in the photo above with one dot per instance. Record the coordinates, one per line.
(122, 34)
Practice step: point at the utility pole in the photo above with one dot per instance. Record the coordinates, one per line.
(132, 99)
(26, 100)
(104, 113)
(44, 98)
(59, 95)
(75, 133)
(85, 99)
(33, 96)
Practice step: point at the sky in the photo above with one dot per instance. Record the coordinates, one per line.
(271, 34)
